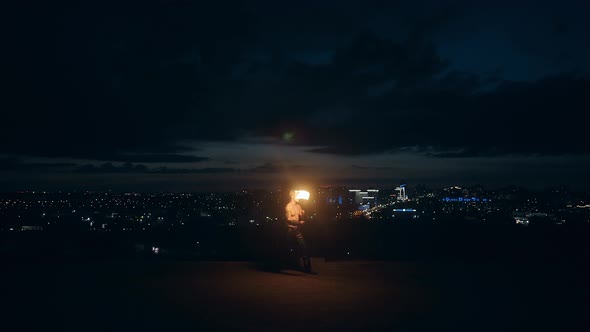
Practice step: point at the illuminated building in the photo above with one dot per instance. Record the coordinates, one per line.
(364, 198)
(402, 197)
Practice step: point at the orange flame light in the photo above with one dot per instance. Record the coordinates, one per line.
(302, 194)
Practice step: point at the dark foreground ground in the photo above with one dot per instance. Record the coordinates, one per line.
(155, 295)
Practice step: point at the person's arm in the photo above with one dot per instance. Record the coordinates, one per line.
(301, 212)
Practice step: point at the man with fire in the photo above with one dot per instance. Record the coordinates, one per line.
(295, 220)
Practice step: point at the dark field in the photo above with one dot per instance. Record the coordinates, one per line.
(398, 278)
(161, 295)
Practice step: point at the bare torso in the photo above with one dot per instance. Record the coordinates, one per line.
(294, 212)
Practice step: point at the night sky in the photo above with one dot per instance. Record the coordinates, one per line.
(175, 95)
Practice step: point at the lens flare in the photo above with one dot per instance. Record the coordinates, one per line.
(288, 136)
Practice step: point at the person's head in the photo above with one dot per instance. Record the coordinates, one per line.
(293, 195)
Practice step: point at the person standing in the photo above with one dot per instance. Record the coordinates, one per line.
(294, 214)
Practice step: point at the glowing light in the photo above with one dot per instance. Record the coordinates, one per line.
(302, 194)
(288, 136)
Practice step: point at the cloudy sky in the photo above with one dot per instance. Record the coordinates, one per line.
(195, 96)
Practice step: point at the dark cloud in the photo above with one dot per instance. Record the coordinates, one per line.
(111, 78)
(275, 168)
(14, 164)
(206, 170)
(108, 168)
(372, 167)
(97, 81)
(154, 158)
(128, 82)
(442, 110)
(268, 168)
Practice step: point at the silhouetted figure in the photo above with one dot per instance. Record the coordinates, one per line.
(294, 214)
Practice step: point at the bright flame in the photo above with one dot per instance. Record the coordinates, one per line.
(302, 194)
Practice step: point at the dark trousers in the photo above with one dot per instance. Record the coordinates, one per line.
(302, 252)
